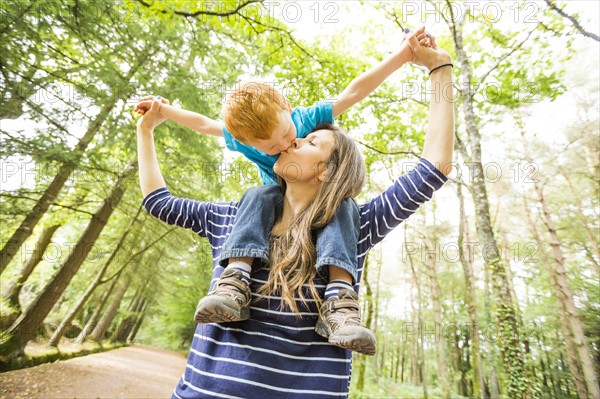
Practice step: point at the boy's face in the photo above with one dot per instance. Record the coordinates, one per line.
(306, 160)
(281, 137)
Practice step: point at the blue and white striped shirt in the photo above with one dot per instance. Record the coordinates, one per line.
(275, 354)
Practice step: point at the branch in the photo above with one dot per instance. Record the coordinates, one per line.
(391, 14)
(573, 20)
(441, 13)
(556, 33)
(26, 144)
(462, 18)
(135, 255)
(286, 32)
(385, 100)
(207, 12)
(246, 18)
(450, 24)
(17, 18)
(13, 196)
(385, 152)
(504, 57)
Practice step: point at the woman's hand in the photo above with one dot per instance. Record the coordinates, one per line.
(425, 50)
(149, 107)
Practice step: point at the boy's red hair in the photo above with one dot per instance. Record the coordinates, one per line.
(252, 110)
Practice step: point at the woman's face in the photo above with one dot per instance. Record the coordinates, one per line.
(306, 159)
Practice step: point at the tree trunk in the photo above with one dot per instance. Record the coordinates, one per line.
(375, 299)
(24, 328)
(434, 286)
(546, 367)
(494, 387)
(563, 293)
(375, 323)
(90, 289)
(138, 322)
(12, 294)
(137, 317)
(395, 367)
(592, 238)
(126, 325)
(111, 311)
(420, 352)
(575, 366)
(91, 323)
(568, 310)
(15, 242)
(555, 384)
(368, 320)
(416, 321)
(462, 363)
(466, 260)
(402, 363)
(511, 287)
(520, 385)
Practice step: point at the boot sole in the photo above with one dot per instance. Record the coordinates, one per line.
(362, 342)
(217, 309)
(322, 329)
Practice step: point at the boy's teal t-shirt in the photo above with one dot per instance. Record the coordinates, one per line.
(305, 120)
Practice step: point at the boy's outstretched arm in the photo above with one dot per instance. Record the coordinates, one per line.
(368, 81)
(192, 120)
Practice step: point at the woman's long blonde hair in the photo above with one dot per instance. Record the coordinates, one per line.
(293, 256)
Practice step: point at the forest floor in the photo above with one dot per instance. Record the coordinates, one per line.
(136, 371)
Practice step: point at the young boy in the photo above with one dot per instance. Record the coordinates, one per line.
(259, 122)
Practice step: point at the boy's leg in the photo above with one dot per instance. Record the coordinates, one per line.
(339, 316)
(249, 239)
(257, 212)
(336, 242)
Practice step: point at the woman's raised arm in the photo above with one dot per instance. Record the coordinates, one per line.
(411, 190)
(151, 178)
(439, 139)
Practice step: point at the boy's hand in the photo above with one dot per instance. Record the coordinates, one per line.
(146, 102)
(151, 118)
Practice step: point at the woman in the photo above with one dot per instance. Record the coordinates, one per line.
(276, 353)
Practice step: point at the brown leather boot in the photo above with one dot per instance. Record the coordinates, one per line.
(339, 321)
(228, 302)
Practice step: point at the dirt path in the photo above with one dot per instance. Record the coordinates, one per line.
(134, 372)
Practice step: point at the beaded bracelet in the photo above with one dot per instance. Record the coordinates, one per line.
(441, 66)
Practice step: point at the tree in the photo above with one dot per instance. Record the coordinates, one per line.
(576, 24)
(430, 244)
(23, 329)
(89, 30)
(45, 238)
(465, 256)
(572, 329)
(66, 322)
